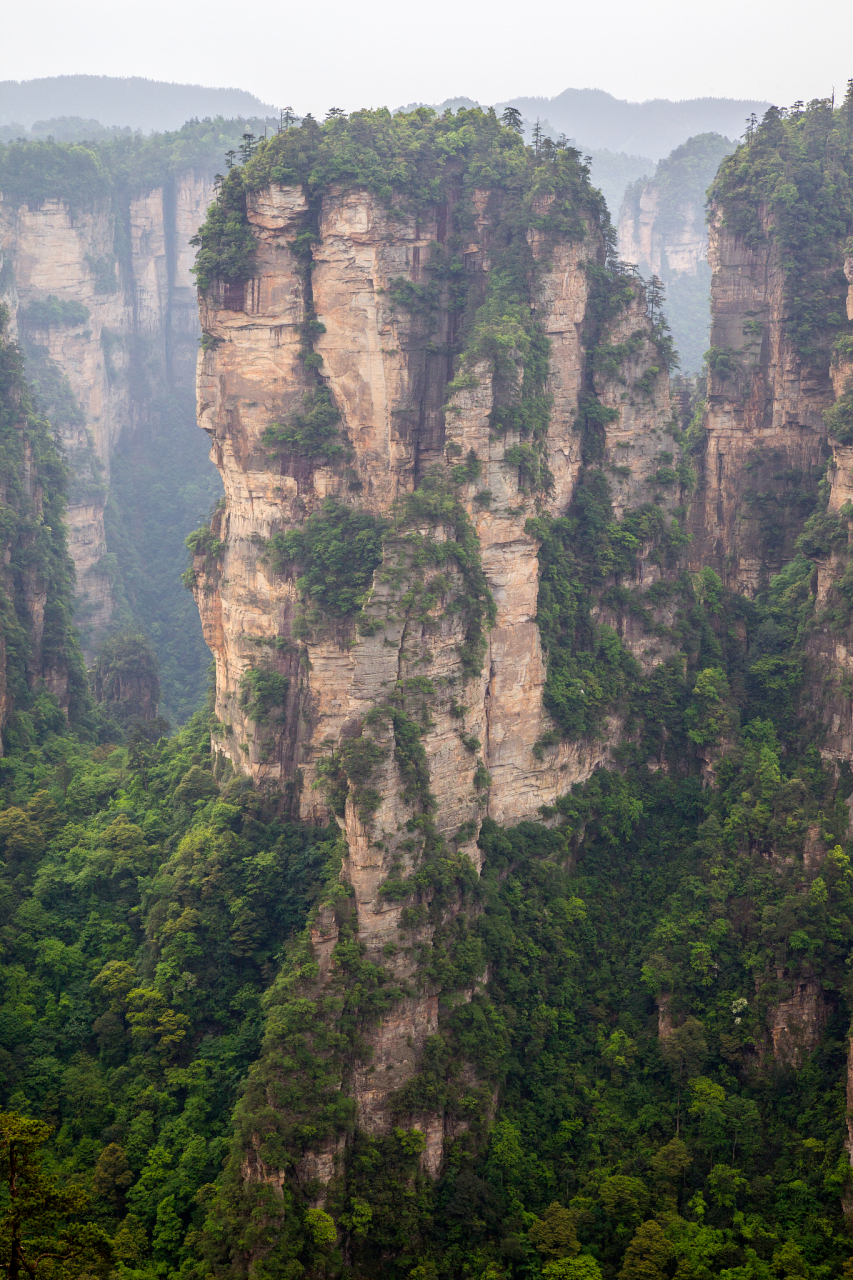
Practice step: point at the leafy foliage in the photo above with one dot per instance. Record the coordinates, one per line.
(42, 313)
(125, 678)
(144, 910)
(839, 419)
(263, 692)
(336, 552)
(311, 432)
(797, 165)
(37, 1230)
(226, 246)
(38, 572)
(590, 673)
(82, 174)
(436, 506)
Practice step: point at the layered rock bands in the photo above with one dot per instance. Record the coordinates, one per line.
(124, 319)
(387, 368)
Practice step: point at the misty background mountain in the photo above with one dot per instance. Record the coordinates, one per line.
(119, 102)
(625, 139)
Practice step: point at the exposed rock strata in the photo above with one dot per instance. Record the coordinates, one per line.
(680, 250)
(136, 284)
(765, 438)
(386, 369)
(796, 1025)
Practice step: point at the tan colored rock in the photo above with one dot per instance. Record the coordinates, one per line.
(388, 372)
(796, 1025)
(830, 643)
(665, 1027)
(765, 435)
(150, 301)
(653, 249)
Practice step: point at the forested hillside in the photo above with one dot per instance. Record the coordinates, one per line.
(642, 1002)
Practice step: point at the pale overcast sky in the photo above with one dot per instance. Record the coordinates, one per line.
(353, 53)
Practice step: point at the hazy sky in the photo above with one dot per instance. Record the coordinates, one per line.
(353, 53)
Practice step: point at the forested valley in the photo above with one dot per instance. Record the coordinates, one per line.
(641, 993)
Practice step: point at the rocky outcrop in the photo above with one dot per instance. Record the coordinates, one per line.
(767, 446)
(477, 702)
(391, 397)
(662, 230)
(796, 1025)
(658, 249)
(830, 643)
(765, 437)
(123, 322)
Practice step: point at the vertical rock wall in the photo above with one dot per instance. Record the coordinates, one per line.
(387, 367)
(765, 438)
(662, 230)
(656, 250)
(131, 271)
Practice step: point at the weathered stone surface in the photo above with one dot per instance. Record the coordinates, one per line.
(388, 372)
(796, 1025)
(143, 297)
(830, 643)
(658, 249)
(765, 436)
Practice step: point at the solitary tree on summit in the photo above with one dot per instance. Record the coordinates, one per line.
(511, 119)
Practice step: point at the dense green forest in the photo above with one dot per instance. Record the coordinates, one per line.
(627, 1118)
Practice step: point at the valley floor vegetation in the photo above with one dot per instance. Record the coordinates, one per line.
(637, 951)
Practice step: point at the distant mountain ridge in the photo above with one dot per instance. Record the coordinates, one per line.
(597, 119)
(600, 122)
(150, 105)
(652, 128)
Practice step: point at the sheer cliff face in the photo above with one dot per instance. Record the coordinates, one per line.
(388, 371)
(134, 280)
(766, 441)
(768, 444)
(391, 390)
(662, 230)
(680, 249)
(830, 644)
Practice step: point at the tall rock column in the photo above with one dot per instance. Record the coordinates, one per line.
(423, 716)
(765, 438)
(104, 302)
